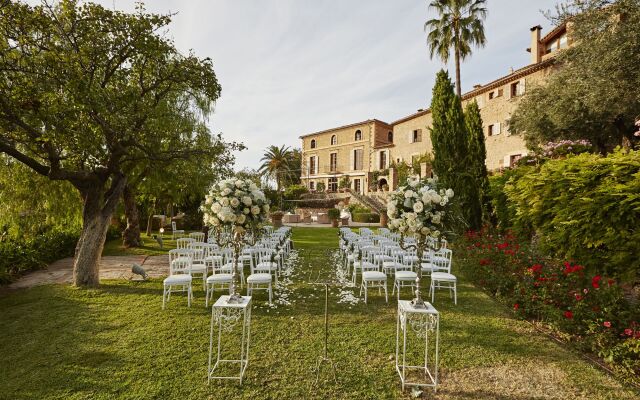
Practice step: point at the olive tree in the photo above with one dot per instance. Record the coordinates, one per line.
(83, 90)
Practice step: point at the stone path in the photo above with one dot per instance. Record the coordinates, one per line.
(111, 267)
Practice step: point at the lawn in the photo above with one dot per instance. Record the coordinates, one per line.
(116, 342)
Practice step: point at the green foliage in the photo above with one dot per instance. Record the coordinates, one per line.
(458, 28)
(333, 213)
(344, 183)
(281, 164)
(31, 204)
(589, 308)
(365, 217)
(450, 144)
(295, 192)
(18, 256)
(320, 187)
(478, 192)
(585, 208)
(593, 94)
(358, 209)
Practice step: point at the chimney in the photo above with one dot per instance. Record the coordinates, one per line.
(536, 52)
(477, 86)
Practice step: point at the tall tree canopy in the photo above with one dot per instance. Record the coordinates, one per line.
(594, 92)
(83, 92)
(458, 28)
(278, 163)
(477, 165)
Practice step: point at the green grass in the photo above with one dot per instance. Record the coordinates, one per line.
(116, 342)
(149, 247)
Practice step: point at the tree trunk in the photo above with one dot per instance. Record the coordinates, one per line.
(458, 79)
(131, 234)
(98, 208)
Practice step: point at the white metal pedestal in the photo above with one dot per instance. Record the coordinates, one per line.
(424, 322)
(225, 317)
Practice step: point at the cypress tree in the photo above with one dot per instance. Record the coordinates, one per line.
(451, 147)
(477, 165)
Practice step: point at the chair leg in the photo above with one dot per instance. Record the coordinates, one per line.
(386, 296)
(432, 290)
(365, 291)
(270, 293)
(189, 296)
(455, 293)
(164, 295)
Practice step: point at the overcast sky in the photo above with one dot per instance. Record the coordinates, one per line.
(290, 67)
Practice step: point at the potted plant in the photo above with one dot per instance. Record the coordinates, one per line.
(334, 215)
(276, 218)
(344, 183)
(320, 187)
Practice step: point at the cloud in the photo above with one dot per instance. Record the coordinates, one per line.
(292, 67)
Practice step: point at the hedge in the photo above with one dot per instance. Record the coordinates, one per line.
(366, 217)
(20, 256)
(584, 208)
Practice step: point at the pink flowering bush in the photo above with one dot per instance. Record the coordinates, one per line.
(580, 302)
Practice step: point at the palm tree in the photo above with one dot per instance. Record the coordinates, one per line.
(276, 164)
(459, 27)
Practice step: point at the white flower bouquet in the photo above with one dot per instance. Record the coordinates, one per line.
(236, 204)
(419, 208)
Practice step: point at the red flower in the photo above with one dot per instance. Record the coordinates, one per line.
(595, 282)
(485, 261)
(628, 332)
(502, 246)
(607, 324)
(611, 282)
(516, 306)
(536, 268)
(578, 297)
(568, 314)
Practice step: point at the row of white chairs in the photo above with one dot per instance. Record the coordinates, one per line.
(215, 266)
(374, 257)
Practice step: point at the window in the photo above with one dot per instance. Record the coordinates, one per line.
(494, 129)
(357, 159)
(357, 185)
(334, 140)
(312, 165)
(383, 159)
(313, 143)
(517, 88)
(312, 185)
(333, 162)
(514, 159)
(492, 95)
(390, 137)
(417, 136)
(500, 92)
(358, 135)
(333, 184)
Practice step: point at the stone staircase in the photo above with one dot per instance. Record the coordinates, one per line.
(373, 202)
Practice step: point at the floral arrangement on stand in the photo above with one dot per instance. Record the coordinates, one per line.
(235, 211)
(419, 210)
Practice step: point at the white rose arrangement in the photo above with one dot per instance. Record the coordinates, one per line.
(237, 204)
(419, 208)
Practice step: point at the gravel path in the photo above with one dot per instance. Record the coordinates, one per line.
(111, 267)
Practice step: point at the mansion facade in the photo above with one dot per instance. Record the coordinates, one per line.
(365, 151)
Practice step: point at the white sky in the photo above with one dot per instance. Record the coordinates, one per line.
(290, 67)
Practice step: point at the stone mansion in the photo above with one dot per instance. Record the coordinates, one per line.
(365, 150)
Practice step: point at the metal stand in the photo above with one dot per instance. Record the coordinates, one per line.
(424, 322)
(226, 316)
(325, 356)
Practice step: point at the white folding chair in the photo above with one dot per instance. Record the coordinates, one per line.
(176, 232)
(372, 277)
(441, 277)
(180, 261)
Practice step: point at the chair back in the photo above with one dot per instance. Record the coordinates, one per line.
(198, 236)
(180, 261)
(199, 250)
(183, 243)
(441, 260)
(173, 225)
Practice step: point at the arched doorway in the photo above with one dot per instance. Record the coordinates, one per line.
(381, 183)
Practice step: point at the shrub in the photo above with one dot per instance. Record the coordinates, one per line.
(320, 187)
(589, 307)
(333, 213)
(365, 217)
(358, 209)
(18, 256)
(344, 183)
(294, 192)
(585, 207)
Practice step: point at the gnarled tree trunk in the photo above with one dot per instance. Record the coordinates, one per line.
(99, 204)
(131, 234)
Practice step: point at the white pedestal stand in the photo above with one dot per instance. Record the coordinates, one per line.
(424, 322)
(225, 317)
